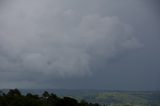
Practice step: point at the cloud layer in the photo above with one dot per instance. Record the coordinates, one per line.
(42, 36)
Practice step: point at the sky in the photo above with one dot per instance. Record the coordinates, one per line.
(80, 44)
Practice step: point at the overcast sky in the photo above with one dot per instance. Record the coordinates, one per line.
(80, 44)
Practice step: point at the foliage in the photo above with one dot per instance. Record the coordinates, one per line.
(15, 98)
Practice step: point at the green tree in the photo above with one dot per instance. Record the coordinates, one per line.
(14, 92)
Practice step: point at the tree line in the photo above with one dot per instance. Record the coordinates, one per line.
(15, 98)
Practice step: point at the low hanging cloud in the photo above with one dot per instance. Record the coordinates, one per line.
(41, 36)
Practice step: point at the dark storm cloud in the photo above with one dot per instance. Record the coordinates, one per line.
(36, 37)
(49, 40)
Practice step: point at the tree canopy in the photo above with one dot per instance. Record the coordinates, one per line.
(15, 98)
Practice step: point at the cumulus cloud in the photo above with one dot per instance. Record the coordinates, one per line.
(42, 36)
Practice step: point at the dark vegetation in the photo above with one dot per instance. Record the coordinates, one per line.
(15, 98)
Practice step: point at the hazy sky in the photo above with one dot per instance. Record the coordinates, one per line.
(80, 44)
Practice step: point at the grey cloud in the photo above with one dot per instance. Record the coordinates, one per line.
(56, 41)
